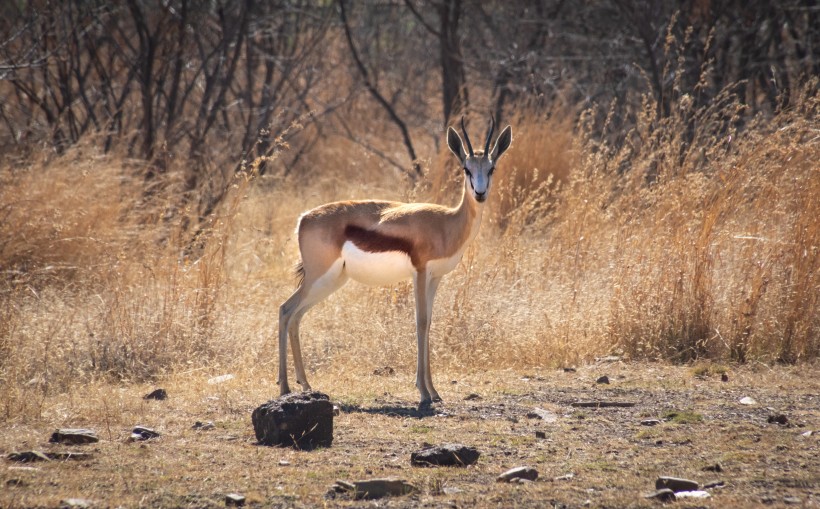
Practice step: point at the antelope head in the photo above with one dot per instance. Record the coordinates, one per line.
(479, 165)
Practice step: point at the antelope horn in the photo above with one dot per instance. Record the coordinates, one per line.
(489, 136)
(466, 138)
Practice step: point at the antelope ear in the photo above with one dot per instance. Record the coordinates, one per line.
(454, 142)
(501, 144)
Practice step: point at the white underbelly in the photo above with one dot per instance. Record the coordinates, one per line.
(376, 269)
(441, 266)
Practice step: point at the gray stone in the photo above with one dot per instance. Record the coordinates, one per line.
(676, 484)
(602, 380)
(664, 495)
(74, 436)
(375, 488)
(75, 503)
(528, 473)
(540, 413)
(650, 422)
(234, 500)
(303, 419)
(140, 433)
(28, 456)
(445, 455)
(778, 419)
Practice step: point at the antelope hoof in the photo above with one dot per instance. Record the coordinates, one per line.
(437, 398)
(425, 404)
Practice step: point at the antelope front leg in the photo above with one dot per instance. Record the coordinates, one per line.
(428, 376)
(421, 282)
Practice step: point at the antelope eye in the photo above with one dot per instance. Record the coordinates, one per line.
(468, 172)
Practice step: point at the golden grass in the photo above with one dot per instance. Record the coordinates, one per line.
(678, 244)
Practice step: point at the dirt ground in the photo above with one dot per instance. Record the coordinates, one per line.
(586, 457)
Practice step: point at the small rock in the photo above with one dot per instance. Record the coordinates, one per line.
(284, 463)
(778, 419)
(664, 495)
(807, 433)
(219, 379)
(570, 370)
(74, 436)
(28, 456)
(602, 380)
(650, 422)
(746, 400)
(140, 433)
(472, 396)
(692, 494)
(608, 358)
(676, 484)
(540, 413)
(445, 455)
(374, 488)
(75, 503)
(234, 500)
(792, 500)
(384, 371)
(158, 394)
(204, 426)
(713, 468)
(724, 377)
(336, 410)
(540, 434)
(14, 482)
(528, 473)
(565, 477)
(714, 484)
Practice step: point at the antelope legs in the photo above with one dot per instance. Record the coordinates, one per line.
(425, 291)
(312, 291)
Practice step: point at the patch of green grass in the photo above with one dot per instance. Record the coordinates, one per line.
(420, 428)
(708, 369)
(682, 417)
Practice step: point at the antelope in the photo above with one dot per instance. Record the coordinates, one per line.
(381, 243)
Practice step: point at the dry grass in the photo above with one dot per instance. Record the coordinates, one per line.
(679, 244)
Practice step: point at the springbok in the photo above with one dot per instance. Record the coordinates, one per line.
(381, 243)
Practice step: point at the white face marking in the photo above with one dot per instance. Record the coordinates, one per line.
(376, 269)
(479, 172)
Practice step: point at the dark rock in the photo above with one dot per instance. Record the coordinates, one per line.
(713, 468)
(158, 394)
(472, 396)
(527, 473)
(374, 488)
(203, 426)
(602, 404)
(69, 455)
(778, 419)
(602, 380)
(570, 370)
(15, 482)
(445, 455)
(74, 436)
(724, 377)
(540, 434)
(664, 495)
(384, 371)
(650, 422)
(234, 500)
(28, 456)
(676, 484)
(303, 419)
(140, 433)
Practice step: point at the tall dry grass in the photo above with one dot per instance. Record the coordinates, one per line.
(691, 239)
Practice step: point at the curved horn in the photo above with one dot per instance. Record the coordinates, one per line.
(466, 138)
(489, 136)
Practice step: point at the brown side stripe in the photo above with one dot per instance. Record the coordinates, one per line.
(375, 242)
